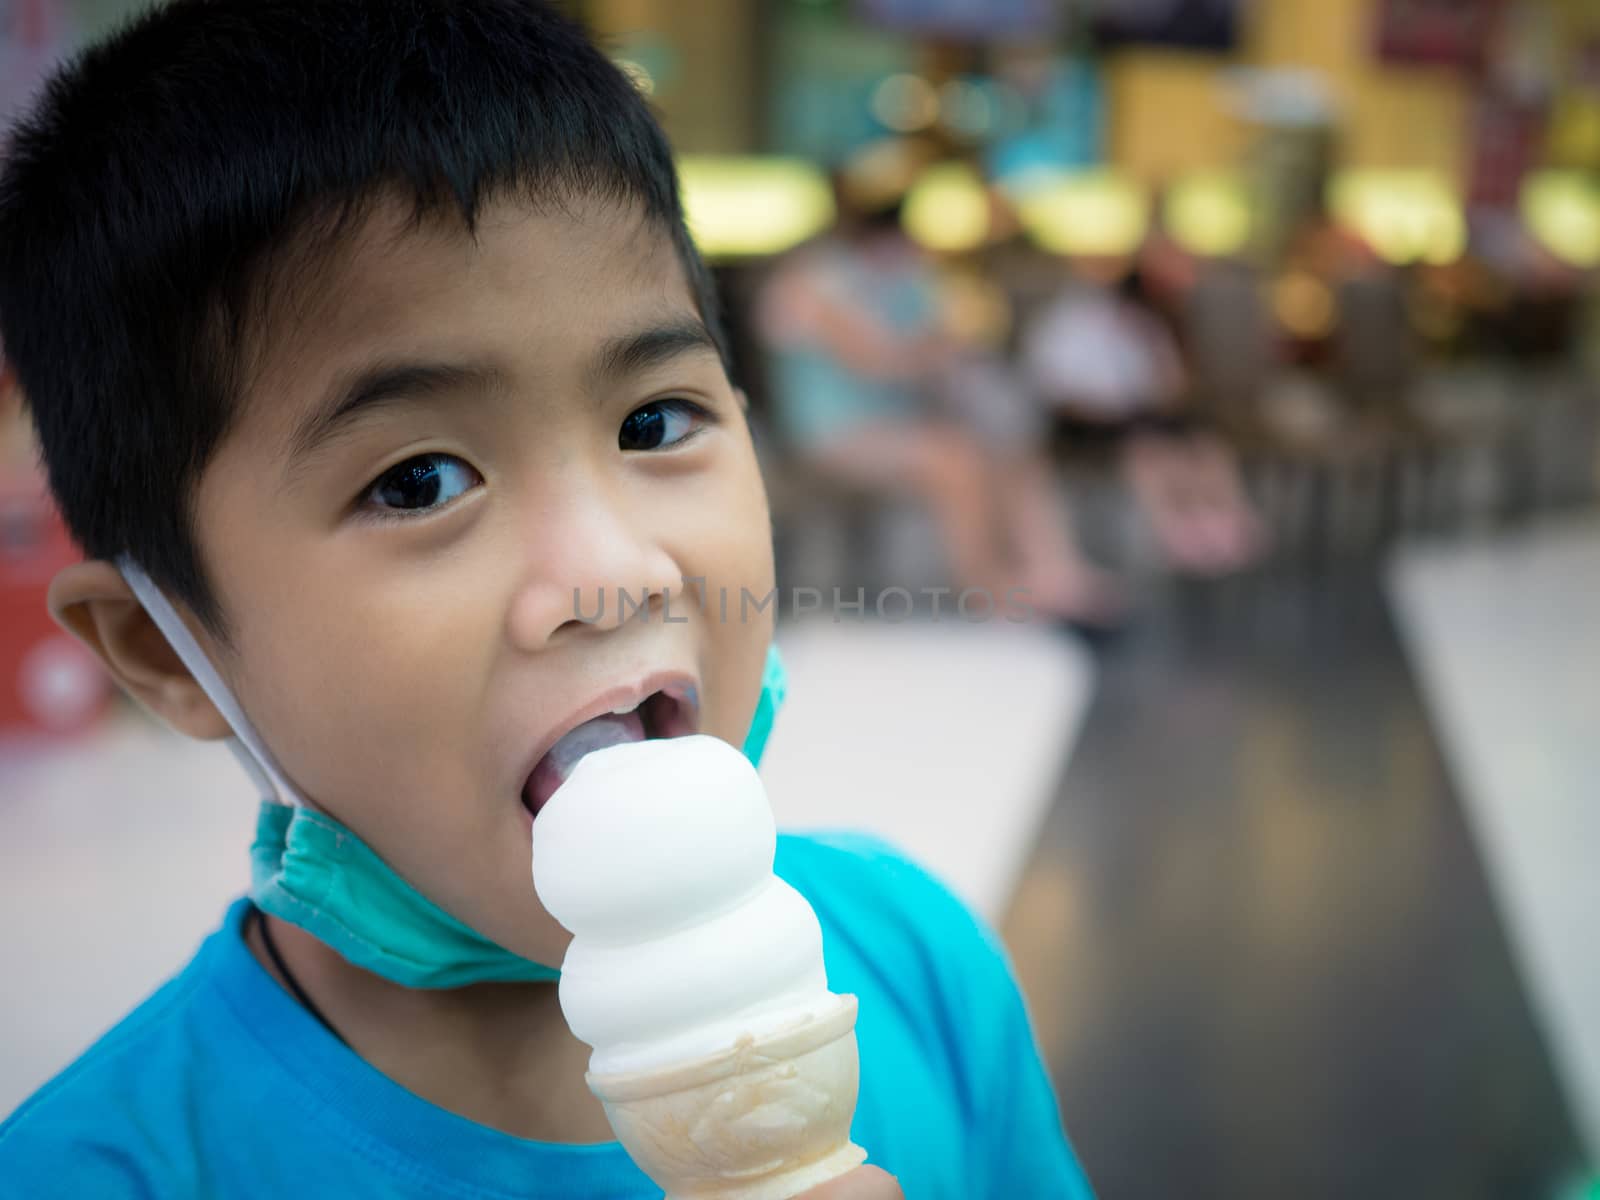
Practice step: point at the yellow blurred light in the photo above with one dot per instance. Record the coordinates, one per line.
(905, 103)
(1405, 216)
(1562, 211)
(947, 208)
(1304, 305)
(1083, 212)
(739, 207)
(1208, 213)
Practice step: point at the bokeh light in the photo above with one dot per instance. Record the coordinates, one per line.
(948, 208)
(905, 103)
(753, 206)
(1304, 305)
(1406, 216)
(1562, 210)
(1208, 213)
(1099, 212)
(965, 108)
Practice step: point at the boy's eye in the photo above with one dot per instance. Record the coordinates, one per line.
(660, 423)
(423, 483)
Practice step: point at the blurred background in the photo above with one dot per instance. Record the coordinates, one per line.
(1256, 342)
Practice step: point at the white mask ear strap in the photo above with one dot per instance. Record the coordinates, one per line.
(246, 745)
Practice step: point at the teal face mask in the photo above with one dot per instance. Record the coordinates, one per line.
(311, 871)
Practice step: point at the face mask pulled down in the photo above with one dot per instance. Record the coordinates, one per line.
(311, 871)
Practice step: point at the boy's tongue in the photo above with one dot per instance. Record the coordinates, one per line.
(596, 734)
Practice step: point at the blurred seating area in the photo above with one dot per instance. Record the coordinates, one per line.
(1269, 336)
(1295, 279)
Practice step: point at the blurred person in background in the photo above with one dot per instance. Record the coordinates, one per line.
(875, 387)
(1103, 360)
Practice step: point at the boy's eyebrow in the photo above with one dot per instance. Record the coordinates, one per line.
(385, 384)
(630, 353)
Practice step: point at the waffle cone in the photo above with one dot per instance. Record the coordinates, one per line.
(764, 1120)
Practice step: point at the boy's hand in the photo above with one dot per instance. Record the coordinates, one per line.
(864, 1183)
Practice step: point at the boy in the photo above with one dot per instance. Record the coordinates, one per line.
(367, 347)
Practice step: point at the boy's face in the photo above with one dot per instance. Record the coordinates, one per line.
(406, 641)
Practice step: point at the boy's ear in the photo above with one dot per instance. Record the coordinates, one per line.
(91, 601)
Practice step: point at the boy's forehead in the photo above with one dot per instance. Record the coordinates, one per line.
(538, 282)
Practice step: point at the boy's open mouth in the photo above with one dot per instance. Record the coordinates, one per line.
(666, 712)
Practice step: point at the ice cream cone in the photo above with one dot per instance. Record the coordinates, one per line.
(766, 1119)
(726, 1065)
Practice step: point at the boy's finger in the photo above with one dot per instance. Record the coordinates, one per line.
(864, 1183)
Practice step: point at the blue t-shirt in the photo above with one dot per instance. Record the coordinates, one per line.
(222, 1085)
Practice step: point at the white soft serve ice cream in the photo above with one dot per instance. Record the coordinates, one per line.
(657, 856)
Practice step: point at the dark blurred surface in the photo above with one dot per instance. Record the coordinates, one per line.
(1259, 942)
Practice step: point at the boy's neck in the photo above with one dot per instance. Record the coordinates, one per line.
(499, 1054)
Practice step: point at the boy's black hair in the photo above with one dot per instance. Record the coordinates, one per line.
(167, 171)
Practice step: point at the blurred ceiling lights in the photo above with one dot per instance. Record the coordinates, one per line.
(1208, 213)
(740, 207)
(1406, 216)
(1095, 212)
(1562, 211)
(948, 208)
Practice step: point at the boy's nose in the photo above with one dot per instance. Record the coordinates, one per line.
(601, 572)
